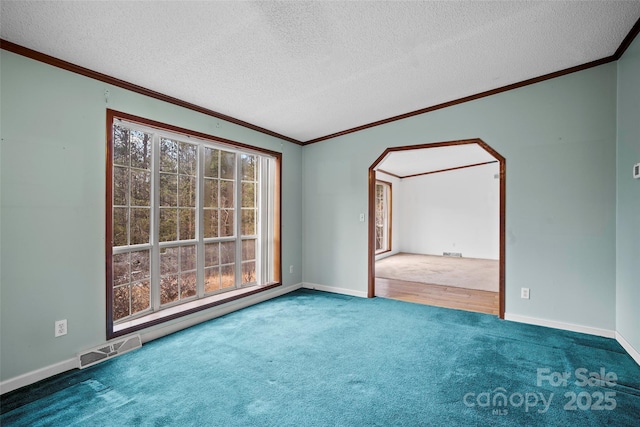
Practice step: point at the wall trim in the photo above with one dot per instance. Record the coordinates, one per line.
(69, 364)
(387, 254)
(68, 66)
(218, 311)
(28, 378)
(334, 289)
(449, 169)
(607, 333)
(53, 61)
(112, 118)
(635, 354)
(502, 210)
(466, 99)
(626, 42)
(37, 375)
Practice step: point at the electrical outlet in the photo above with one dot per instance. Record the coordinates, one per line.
(361, 217)
(61, 328)
(524, 293)
(291, 269)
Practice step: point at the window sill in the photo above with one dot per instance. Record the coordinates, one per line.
(185, 309)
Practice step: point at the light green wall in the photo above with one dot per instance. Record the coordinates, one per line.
(52, 125)
(628, 209)
(558, 138)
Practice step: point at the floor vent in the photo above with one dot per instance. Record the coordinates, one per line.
(108, 350)
(453, 254)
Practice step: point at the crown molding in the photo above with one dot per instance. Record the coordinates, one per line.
(53, 61)
(617, 55)
(38, 56)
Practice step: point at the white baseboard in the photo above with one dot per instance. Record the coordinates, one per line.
(218, 311)
(635, 354)
(37, 375)
(335, 290)
(607, 333)
(386, 255)
(67, 365)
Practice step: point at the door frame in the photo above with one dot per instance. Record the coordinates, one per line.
(371, 226)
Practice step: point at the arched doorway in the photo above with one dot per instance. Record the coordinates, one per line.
(502, 206)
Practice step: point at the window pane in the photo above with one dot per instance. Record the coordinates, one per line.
(226, 194)
(230, 181)
(248, 250)
(168, 225)
(168, 155)
(140, 149)
(168, 289)
(210, 193)
(140, 226)
(211, 160)
(226, 222)
(120, 302)
(168, 189)
(211, 254)
(187, 258)
(248, 167)
(227, 252)
(188, 159)
(140, 297)
(187, 285)
(140, 267)
(187, 224)
(248, 222)
(120, 269)
(120, 186)
(211, 279)
(120, 146)
(119, 225)
(248, 195)
(382, 213)
(248, 272)
(140, 188)
(187, 191)
(210, 223)
(228, 276)
(168, 261)
(227, 165)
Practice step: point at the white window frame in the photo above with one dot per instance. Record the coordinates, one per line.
(265, 200)
(386, 212)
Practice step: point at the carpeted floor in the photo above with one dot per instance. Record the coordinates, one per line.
(469, 273)
(317, 359)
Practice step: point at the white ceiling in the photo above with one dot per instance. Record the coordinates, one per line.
(412, 162)
(313, 68)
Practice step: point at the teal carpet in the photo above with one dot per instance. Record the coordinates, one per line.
(317, 359)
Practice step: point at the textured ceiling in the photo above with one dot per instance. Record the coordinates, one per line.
(309, 69)
(411, 162)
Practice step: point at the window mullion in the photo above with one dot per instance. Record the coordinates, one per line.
(265, 224)
(238, 220)
(155, 224)
(200, 222)
(384, 217)
(129, 193)
(258, 219)
(157, 189)
(269, 234)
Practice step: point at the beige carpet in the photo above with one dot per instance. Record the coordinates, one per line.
(470, 273)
